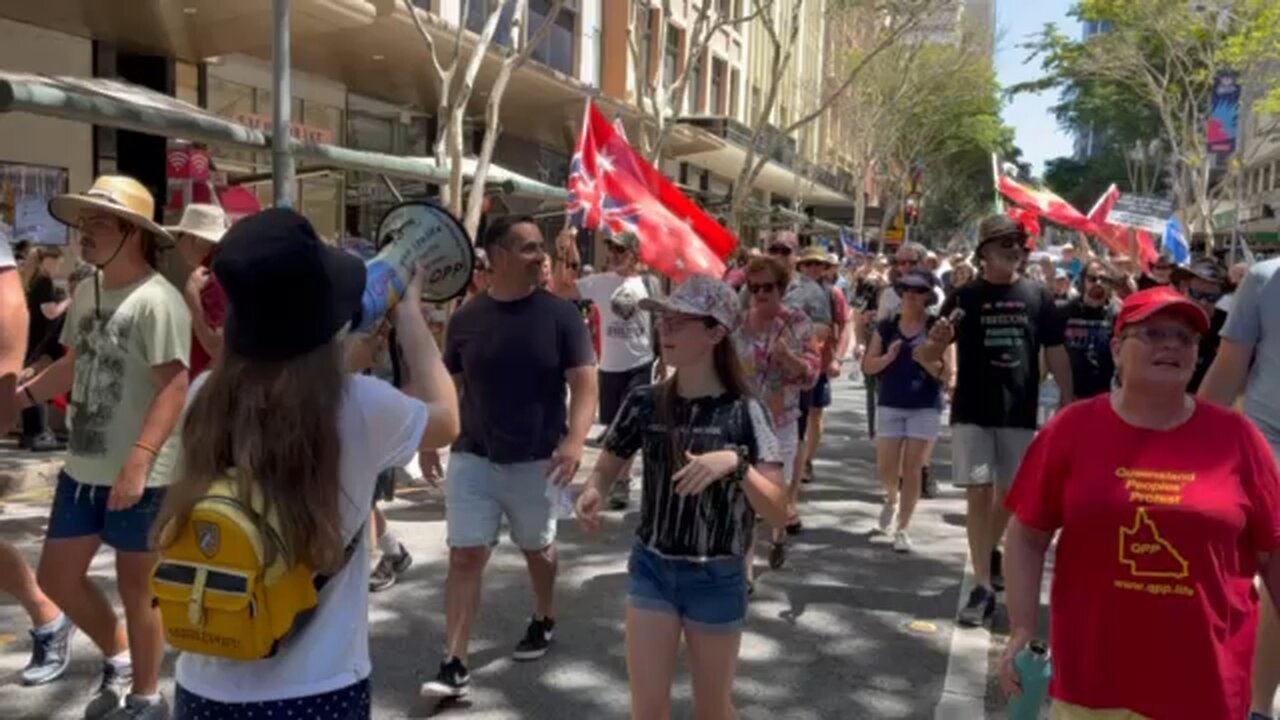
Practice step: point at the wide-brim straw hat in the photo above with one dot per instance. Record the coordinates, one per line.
(116, 195)
(202, 220)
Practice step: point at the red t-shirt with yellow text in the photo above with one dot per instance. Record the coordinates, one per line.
(1153, 607)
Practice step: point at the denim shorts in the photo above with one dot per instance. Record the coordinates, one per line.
(479, 493)
(80, 509)
(348, 703)
(705, 594)
(913, 423)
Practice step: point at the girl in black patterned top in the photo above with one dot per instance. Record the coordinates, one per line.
(711, 462)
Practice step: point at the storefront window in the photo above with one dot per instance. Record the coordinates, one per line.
(557, 51)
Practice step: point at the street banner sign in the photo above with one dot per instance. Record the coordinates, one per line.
(1224, 113)
(1143, 212)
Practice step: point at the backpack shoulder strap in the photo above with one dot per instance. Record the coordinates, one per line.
(319, 581)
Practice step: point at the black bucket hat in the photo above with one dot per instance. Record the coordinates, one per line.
(289, 293)
(1205, 268)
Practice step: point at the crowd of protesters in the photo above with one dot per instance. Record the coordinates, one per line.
(248, 369)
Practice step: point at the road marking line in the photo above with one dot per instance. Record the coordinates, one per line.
(964, 690)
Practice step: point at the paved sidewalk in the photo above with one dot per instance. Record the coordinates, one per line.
(847, 630)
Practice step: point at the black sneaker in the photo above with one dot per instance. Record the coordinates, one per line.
(997, 570)
(777, 555)
(50, 653)
(452, 681)
(389, 570)
(928, 484)
(537, 640)
(981, 605)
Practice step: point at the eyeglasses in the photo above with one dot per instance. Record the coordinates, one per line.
(779, 250)
(901, 263)
(757, 288)
(1095, 278)
(617, 249)
(1204, 296)
(1155, 335)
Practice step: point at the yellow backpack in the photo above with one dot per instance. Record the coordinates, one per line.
(215, 592)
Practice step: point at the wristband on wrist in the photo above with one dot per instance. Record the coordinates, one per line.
(153, 450)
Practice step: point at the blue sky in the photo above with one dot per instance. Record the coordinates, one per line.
(1037, 131)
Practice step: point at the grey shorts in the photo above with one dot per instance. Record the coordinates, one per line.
(479, 493)
(983, 455)
(914, 423)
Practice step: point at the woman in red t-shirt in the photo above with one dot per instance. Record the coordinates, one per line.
(1167, 508)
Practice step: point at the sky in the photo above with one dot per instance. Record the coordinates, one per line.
(1037, 132)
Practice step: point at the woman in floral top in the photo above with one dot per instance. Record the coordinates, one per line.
(779, 354)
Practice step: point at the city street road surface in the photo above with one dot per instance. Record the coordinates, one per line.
(848, 629)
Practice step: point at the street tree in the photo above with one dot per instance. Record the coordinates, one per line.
(1155, 68)
(889, 22)
(455, 73)
(662, 89)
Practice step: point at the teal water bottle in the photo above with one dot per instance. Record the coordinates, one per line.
(1034, 670)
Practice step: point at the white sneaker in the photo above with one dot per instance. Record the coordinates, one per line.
(901, 542)
(887, 513)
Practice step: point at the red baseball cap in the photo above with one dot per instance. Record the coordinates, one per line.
(1143, 304)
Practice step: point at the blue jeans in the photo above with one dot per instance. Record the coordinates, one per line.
(706, 594)
(80, 509)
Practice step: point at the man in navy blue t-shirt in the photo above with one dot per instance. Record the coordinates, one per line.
(512, 352)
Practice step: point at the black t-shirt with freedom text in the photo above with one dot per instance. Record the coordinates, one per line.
(718, 522)
(512, 357)
(998, 346)
(1087, 336)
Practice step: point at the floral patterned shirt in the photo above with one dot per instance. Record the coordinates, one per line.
(778, 389)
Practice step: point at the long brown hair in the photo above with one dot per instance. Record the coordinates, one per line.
(276, 423)
(724, 357)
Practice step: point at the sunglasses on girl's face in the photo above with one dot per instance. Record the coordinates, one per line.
(779, 250)
(757, 288)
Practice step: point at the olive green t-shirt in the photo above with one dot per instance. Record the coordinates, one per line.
(118, 336)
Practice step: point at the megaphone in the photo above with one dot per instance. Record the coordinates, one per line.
(414, 234)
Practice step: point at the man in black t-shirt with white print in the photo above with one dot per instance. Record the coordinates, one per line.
(1007, 321)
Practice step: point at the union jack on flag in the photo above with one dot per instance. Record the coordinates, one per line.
(585, 197)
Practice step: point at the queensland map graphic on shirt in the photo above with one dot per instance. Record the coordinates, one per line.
(1146, 553)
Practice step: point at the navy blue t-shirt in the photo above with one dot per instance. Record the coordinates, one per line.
(512, 357)
(904, 384)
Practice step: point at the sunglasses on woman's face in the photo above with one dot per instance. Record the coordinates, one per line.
(757, 288)
(779, 250)
(1095, 278)
(905, 289)
(1204, 296)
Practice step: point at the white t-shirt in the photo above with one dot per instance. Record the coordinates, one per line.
(380, 427)
(625, 340)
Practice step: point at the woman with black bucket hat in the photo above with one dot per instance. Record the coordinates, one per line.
(278, 407)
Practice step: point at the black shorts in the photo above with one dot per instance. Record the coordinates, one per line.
(385, 486)
(614, 387)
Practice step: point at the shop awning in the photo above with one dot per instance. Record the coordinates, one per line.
(125, 106)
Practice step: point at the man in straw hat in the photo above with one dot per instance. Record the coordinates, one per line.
(52, 630)
(129, 334)
(1007, 320)
(197, 236)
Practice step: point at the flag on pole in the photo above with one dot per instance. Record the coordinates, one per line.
(610, 184)
(1174, 241)
(1044, 203)
(851, 246)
